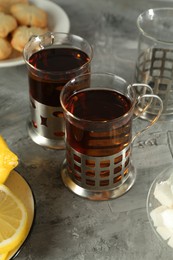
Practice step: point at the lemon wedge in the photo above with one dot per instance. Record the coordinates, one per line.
(8, 160)
(13, 220)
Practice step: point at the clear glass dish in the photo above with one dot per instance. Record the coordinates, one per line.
(152, 204)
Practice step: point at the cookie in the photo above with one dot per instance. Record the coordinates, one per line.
(1, 8)
(22, 34)
(7, 24)
(6, 4)
(29, 14)
(5, 49)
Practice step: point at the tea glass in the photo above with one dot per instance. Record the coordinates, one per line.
(52, 60)
(99, 111)
(154, 64)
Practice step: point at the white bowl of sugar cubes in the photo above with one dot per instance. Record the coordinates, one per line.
(160, 206)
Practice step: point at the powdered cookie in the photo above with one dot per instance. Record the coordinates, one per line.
(6, 4)
(29, 14)
(22, 34)
(5, 49)
(7, 24)
(1, 8)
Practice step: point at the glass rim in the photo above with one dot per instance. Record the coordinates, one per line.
(51, 34)
(106, 88)
(148, 35)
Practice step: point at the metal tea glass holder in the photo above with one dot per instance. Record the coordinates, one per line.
(154, 64)
(98, 163)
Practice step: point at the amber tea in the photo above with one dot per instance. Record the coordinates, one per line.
(98, 105)
(46, 89)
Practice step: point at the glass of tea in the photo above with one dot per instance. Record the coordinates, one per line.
(99, 111)
(52, 60)
(154, 65)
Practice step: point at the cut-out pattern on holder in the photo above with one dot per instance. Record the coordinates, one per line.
(98, 173)
(47, 121)
(155, 67)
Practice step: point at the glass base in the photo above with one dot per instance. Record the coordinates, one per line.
(43, 141)
(97, 194)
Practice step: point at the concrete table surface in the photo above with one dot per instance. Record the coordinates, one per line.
(66, 226)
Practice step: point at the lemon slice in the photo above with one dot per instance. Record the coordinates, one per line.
(13, 220)
(8, 160)
(3, 256)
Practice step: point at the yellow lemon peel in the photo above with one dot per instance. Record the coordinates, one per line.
(8, 160)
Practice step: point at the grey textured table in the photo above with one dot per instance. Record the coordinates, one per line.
(68, 227)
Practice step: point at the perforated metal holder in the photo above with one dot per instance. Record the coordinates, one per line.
(98, 178)
(155, 67)
(42, 127)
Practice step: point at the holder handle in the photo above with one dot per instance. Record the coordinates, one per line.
(141, 105)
